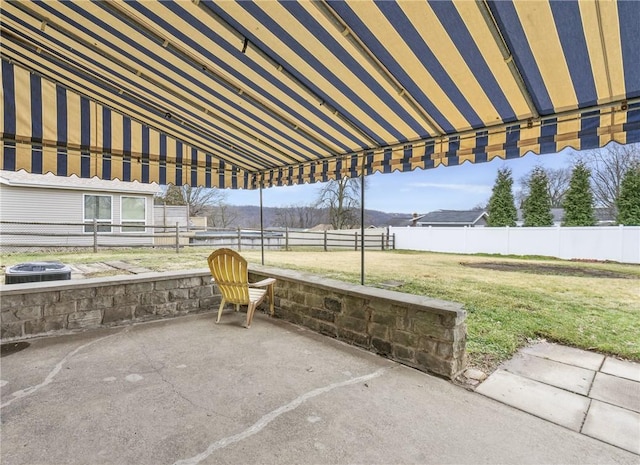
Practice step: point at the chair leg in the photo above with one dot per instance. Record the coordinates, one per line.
(271, 298)
(250, 310)
(220, 310)
(237, 307)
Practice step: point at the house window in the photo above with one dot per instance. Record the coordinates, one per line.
(97, 207)
(134, 214)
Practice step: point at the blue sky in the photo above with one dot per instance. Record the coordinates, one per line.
(421, 191)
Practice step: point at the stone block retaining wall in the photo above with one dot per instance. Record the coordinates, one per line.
(424, 333)
(34, 308)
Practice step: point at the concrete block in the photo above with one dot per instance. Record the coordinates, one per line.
(621, 368)
(201, 292)
(126, 299)
(166, 285)
(29, 313)
(539, 399)
(9, 330)
(139, 288)
(332, 304)
(16, 300)
(60, 308)
(77, 294)
(169, 308)
(314, 300)
(426, 328)
(381, 346)
(429, 362)
(178, 295)
(568, 355)
(120, 313)
(43, 325)
(613, 425)
(445, 350)
(322, 314)
(405, 338)
(617, 391)
(354, 324)
(110, 290)
(568, 377)
(89, 319)
(403, 353)
(155, 298)
(354, 338)
(388, 319)
(40, 298)
(378, 331)
(84, 305)
(144, 310)
(187, 306)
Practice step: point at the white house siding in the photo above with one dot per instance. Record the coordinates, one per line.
(54, 205)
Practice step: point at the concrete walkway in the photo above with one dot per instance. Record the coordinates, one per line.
(589, 393)
(187, 391)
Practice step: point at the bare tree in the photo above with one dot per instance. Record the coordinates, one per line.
(558, 183)
(608, 167)
(297, 216)
(199, 199)
(341, 198)
(222, 215)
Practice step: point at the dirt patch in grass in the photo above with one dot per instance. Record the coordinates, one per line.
(557, 270)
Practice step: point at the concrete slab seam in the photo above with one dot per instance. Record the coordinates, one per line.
(269, 417)
(586, 414)
(52, 374)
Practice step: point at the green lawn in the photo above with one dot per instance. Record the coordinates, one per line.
(509, 300)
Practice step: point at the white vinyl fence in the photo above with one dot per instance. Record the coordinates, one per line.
(615, 243)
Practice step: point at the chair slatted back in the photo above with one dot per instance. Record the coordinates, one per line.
(230, 272)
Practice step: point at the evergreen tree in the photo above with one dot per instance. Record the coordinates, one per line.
(536, 208)
(628, 202)
(578, 202)
(502, 209)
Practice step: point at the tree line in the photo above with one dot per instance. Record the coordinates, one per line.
(337, 204)
(608, 178)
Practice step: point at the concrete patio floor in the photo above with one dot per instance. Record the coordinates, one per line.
(188, 391)
(584, 391)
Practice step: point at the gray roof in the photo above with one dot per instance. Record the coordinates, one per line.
(602, 215)
(452, 217)
(23, 179)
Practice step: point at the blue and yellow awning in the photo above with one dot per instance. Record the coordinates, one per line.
(231, 93)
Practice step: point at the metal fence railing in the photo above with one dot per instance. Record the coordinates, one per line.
(27, 236)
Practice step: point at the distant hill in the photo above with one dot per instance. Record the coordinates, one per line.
(248, 216)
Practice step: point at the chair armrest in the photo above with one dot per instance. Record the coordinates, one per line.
(264, 283)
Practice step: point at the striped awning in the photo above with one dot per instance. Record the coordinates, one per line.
(239, 93)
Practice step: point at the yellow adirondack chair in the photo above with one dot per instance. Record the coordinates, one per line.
(230, 273)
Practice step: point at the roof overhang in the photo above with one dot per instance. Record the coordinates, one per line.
(241, 94)
(73, 182)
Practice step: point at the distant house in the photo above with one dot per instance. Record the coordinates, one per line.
(321, 227)
(455, 218)
(604, 217)
(46, 198)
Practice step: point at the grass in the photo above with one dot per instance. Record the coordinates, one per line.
(592, 306)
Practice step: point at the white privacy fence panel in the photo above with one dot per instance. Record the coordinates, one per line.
(615, 243)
